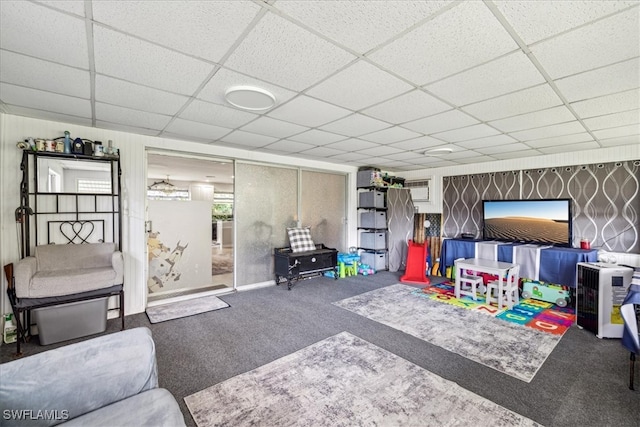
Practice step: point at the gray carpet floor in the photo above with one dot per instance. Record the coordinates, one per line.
(584, 382)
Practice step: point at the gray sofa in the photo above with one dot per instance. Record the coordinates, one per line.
(110, 381)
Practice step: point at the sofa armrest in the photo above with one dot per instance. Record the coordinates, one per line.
(117, 261)
(23, 272)
(82, 377)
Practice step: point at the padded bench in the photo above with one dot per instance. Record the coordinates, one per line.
(61, 274)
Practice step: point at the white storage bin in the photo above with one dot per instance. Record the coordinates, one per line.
(377, 260)
(370, 240)
(371, 199)
(373, 219)
(73, 320)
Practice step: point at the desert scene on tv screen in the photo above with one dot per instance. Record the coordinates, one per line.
(527, 229)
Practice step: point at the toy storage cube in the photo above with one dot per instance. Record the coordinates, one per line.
(377, 260)
(364, 178)
(373, 220)
(371, 199)
(370, 240)
(73, 320)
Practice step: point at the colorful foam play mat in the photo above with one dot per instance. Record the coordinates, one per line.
(532, 313)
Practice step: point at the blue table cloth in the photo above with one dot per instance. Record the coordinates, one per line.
(557, 265)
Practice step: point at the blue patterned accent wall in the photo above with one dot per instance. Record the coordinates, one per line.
(606, 200)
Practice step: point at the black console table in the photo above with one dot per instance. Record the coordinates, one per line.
(293, 266)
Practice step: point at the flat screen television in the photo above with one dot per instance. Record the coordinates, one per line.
(545, 221)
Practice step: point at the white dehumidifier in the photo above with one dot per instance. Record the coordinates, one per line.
(600, 292)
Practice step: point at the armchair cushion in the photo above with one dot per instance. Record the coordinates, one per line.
(57, 270)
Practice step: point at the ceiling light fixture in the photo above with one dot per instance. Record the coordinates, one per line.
(250, 98)
(165, 186)
(438, 151)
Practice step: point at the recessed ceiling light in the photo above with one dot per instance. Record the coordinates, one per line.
(438, 151)
(250, 98)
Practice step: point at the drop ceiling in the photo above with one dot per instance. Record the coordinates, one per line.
(356, 82)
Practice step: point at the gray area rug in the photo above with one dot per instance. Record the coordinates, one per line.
(176, 310)
(344, 380)
(504, 346)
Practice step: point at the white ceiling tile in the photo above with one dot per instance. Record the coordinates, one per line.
(503, 75)
(183, 137)
(488, 141)
(418, 143)
(288, 146)
(549, 131)
(613, 120)
(354, 156)
(125, 128)
(390, 135)
(603, 81)
(129, 117)
(560, 140)
(601, 43)
(352, 144)
(505, 148)
(516, 154)
(317, 137)
(272, 127)
(358, 86)
(71, 6)
(391, 164)
(381, 150)
(47, 115)
(465, 154)
(410, 106)
(248, 139)
(200, 28)
(576, 148)
(128, 58)
(346, 23)
(536, 119)
(322, 152)
(307, 111)
(441, 122)
(38, 31)
(425, 54)
(195, 129)
(403, 155)
(537, 20)
(621, 140)
(215, 114)
(477, 159)
(47, 101)
(224, 79)
(613, 103)
(37, 74)
(126, 94)
(466, 133)
(355, 125)
(285, 54)
(633, 130)
(524, 101)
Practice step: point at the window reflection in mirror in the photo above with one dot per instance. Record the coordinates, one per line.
(73, 176)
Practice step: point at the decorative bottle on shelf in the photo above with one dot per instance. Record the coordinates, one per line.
(67, 142)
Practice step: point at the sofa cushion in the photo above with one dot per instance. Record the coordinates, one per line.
(82, 377)
(65, 257)
(153, 408)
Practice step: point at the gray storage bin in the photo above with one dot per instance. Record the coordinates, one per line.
(370, 240)
(73, 320)
(374, 219)
(371, 199)
(365, 177)
(377, 260)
